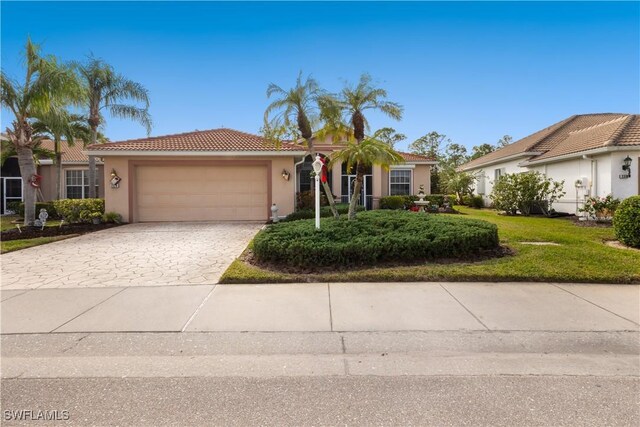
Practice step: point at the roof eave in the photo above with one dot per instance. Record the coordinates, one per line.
(501, 160)
(167, 153)
(593, 151)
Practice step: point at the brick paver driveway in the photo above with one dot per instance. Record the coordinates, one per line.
(151, 254)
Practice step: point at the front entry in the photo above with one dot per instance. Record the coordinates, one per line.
(348, 183)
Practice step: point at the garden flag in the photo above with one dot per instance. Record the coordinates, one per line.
(323, 176)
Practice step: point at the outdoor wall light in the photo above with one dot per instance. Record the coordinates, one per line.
(626, 167)
(286, 175)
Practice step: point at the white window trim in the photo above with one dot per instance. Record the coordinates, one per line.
(410, 178)
(63, 184)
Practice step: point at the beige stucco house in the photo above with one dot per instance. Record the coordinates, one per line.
(74, 178)
(224, 174)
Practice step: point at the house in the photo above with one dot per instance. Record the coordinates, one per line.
(594, 154)
(224, 174)
(74, 179)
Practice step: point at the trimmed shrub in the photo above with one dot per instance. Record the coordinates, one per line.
(374, 237)
(79, 210)
(626, 222)
(393, 202)
(307, 199)
(476, 202)
(18, 208)
(325, 212)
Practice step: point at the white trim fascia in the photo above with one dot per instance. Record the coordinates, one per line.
(421, 162)
(130, 153)
(591, 152)
(501, 160)
(402, 166)
(48, 162)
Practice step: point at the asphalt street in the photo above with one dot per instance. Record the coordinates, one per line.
(323, 378)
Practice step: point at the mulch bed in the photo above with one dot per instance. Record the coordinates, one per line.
(35, 232)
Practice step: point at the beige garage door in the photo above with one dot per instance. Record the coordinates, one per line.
(201, 193)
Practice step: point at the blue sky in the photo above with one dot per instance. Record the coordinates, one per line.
(473, 71)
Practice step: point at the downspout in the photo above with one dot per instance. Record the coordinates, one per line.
(295, 181)
(594, 178)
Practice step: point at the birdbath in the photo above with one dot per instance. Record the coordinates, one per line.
(421, 203)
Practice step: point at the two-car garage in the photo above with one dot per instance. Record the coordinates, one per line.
(200, 192)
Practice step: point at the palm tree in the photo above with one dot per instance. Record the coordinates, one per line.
(71, 127)
(295, 112)
(47, 88)
(368, 152)
(107, 90)
(346, 111)
(9, 150)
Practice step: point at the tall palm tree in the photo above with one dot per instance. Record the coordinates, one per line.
(48, 87)
(110, 91)
(346, 111)
(362, 155)
(295, 111)
(57, 127)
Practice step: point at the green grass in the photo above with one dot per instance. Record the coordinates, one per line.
(581, 257)
(16, 245)
(6, 222)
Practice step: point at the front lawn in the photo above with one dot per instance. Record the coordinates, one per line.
(580, 257)
(16, 245)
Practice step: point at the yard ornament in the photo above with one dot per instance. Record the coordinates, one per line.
(323, 177)
(34, 180)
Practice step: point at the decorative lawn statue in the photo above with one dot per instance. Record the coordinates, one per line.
(42, 219)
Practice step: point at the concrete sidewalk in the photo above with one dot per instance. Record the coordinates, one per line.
(325, 307)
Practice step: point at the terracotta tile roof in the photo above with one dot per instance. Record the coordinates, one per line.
(201, 140)
(573, 135)
(410, 157)
(70, 154)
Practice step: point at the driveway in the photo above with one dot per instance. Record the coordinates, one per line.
(151, 254)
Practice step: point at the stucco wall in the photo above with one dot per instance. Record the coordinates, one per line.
(117, 199)
(48, 183)
(422, 175)
(601, 173)
(487, 174)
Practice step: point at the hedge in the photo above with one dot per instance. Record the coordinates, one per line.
(374, 237)
(79, 210)
(325, 212)
(626, 221)
(18, 208)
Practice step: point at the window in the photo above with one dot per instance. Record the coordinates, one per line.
(400, 182)
(480, 187)
(497, 173)
(78, 184)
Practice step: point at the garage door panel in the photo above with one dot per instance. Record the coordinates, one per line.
(201, 193)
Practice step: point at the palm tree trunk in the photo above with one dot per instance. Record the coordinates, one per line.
(58, 169)
(92, 165)
(27, 170)
(353, 203)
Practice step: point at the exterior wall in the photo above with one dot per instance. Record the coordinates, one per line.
(421, 176)
(487, 173)
(602, 173)
(623, 188)
(49, 172)
(118, 199)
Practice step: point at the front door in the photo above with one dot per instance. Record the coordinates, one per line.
(366, 192)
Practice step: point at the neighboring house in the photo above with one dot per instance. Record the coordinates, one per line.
(585, 151)
(74, 177)
(224, 174)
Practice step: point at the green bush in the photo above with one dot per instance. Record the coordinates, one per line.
(112, 217)
(393, 202)
(307, 199)
(476, 202)
(18, 208)
(79, 210)
(626, 222)
(325, 212)
(374, 237)
(526, 192)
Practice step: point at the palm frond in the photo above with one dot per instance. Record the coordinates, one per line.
(130, 112)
